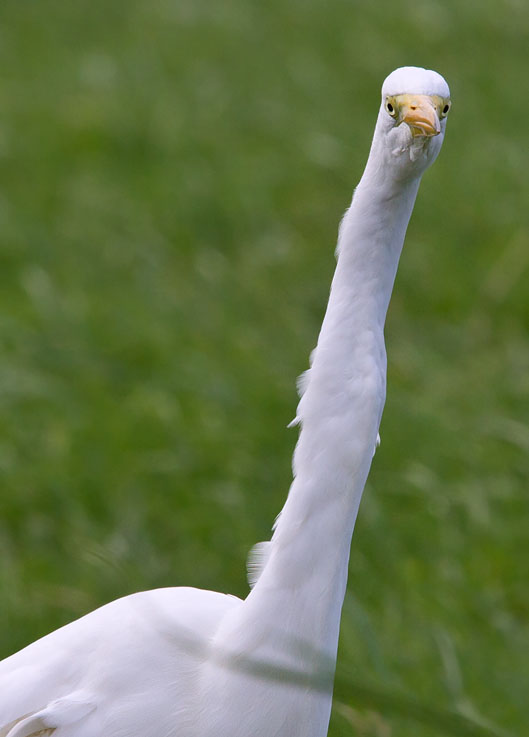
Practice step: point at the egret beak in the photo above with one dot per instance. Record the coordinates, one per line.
(419, 112)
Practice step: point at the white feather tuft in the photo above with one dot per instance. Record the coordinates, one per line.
(59, 713)
(257, 559)
(303, 382)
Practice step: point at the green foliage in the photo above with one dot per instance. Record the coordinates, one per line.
(173, 173)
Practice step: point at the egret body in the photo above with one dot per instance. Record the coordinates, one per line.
(182, 662)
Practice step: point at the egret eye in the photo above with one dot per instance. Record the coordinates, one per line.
(390, 108)
(445, 109)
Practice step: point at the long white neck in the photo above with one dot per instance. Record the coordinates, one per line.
(298, 597)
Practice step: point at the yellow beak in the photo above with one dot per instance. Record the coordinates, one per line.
(419, 112)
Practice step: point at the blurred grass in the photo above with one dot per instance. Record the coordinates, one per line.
(173, 173)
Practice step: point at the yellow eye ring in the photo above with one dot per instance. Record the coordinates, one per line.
(390, 107)
(446, 108)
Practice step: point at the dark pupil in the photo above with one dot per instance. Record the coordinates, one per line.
(390, 107)
(446, 109)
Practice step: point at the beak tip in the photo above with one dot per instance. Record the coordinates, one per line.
(423, 128)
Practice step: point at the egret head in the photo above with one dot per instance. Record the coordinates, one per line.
(412, 117)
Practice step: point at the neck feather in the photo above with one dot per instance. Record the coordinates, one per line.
(302, 585)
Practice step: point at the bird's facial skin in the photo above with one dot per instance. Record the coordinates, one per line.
(422, 113)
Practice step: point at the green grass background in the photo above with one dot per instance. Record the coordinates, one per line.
(172, 176)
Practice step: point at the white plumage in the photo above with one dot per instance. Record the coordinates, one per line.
(189, 663)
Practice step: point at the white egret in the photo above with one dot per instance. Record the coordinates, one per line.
(182, 662)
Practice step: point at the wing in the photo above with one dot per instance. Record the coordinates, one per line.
(126, 668)
(59, 713)
(38, 675)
